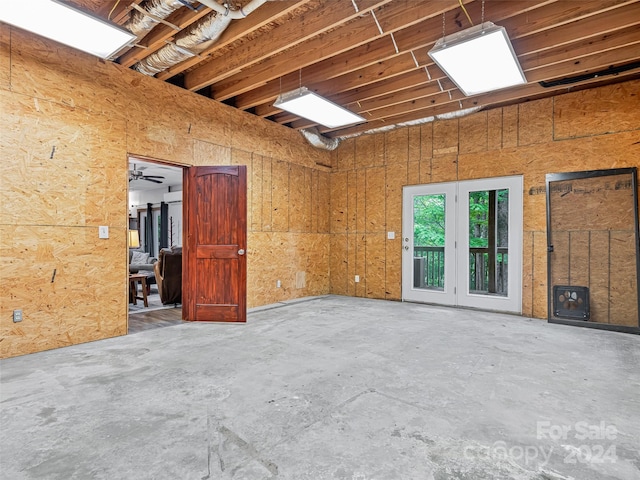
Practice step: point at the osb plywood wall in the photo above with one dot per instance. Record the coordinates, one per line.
(592, 231)
(69, 122)
(584, 130)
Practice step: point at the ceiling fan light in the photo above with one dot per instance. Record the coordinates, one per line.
(310, 105)
(479, 59)
(60, 22)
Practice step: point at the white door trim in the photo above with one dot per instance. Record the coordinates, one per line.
(513, 301)
(447, 296)
(456, 289)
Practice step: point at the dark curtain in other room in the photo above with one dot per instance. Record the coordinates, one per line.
(148, 244)
(164, 225)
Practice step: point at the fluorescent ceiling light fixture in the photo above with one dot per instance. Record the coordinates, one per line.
(479, 59)
(58, 21)
(312, 106)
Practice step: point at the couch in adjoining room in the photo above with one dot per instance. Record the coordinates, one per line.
(142, 262)
(168, 270)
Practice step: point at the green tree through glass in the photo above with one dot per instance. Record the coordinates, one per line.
(428, 220)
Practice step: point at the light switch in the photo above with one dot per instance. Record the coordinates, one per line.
(391, 235)
(103, 232)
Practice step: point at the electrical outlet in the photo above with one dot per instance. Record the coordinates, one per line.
(17, 316)
(103, 232)
(357, 278)
(278, 284)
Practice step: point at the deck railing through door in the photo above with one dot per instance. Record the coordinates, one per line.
(485, 276)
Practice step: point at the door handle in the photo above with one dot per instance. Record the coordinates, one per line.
(241, 251)
(406, 247)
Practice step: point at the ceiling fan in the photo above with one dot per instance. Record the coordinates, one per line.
(139, 175)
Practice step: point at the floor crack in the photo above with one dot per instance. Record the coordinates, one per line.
(249, 449)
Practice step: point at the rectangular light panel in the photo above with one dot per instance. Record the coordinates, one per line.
(312, 106)
(60, 22)
(479, 59)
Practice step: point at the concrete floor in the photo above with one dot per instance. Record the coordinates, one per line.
(331, 388)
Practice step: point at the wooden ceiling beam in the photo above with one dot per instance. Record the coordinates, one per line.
(158, 37)
(626, 41)
(434, 99)
(327, 16)
(264, 15)
(586, 47)
(594, 59)
(370, 53)
(120, 13)
(591, 64)
(597, 24)
(392, 79)
(600, 43)
(519, 94)
(590, 31)
(629, 11)
(361, 31)
(419, 104)
(420, 36)
(387, 86)
(559, 13)
(587, 64)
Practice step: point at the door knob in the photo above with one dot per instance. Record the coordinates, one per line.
(406, 247)
(241, 251)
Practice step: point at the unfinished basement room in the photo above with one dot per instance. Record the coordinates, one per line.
(320, 239)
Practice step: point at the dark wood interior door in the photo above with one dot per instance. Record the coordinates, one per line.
(215, 275)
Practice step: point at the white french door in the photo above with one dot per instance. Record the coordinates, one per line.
(462, 244)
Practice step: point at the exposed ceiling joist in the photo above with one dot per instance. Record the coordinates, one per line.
(371, 55)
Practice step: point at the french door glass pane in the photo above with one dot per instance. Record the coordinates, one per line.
(489, 242)
(429, 240)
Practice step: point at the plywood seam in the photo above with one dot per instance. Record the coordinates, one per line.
(289, 229)
(270, 194)
(11, 60)
(553, 118)
(609, 277)
(501, 128)
(386, 157)
(569, 254)
(486, 132)
(589, 257)
(406, 181)
(314, 202)
(595, 135)
(533, 256)
(518, 126)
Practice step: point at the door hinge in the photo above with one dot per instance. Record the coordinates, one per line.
(454, 290)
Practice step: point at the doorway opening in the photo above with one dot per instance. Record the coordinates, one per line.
(155, 206)
(462, 244)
